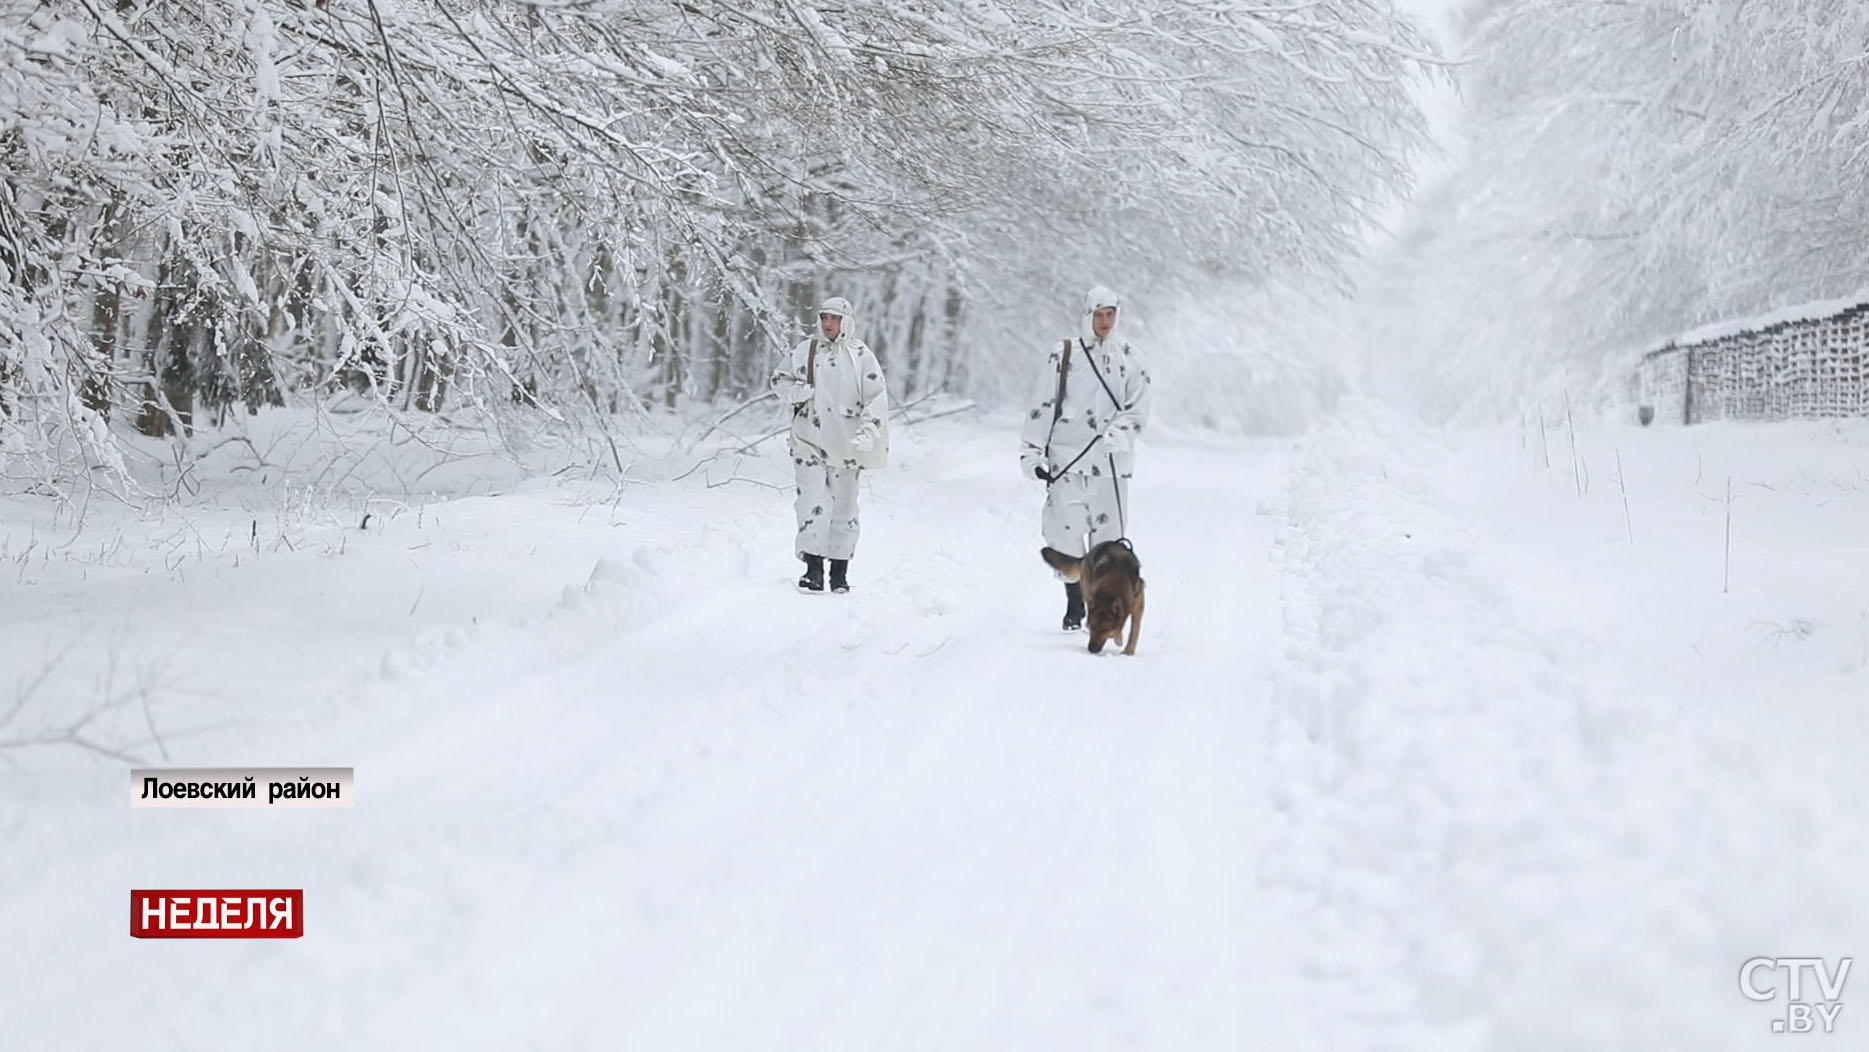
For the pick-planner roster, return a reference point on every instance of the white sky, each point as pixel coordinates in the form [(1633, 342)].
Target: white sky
[(1442, 104)]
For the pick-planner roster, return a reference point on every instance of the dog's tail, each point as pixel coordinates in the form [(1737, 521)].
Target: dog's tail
[(1068, 566)]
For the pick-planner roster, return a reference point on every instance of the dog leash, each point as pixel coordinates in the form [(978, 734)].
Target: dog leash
[(1122, 517), (1060, 473)]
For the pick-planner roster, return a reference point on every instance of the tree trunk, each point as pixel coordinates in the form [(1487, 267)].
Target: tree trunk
[(106, 312)]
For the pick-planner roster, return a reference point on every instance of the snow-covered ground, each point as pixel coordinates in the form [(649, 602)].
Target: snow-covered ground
[(1548, 786), (1419, 751)]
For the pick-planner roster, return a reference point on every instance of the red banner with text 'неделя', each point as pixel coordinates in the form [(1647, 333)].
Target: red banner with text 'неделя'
[(217, 914)]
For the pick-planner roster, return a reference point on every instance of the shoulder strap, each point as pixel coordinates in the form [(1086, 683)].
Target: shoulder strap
[(1057, 401), (811, 363), (1115, 401)]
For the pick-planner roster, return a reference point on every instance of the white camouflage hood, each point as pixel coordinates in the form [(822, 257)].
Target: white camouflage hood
[(1099, 297), (841, 307)]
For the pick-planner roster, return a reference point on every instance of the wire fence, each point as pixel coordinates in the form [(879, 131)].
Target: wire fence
[(1793, 368)]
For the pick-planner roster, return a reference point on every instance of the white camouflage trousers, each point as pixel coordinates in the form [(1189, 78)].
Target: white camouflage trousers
[(827, 510), (1082, 511)]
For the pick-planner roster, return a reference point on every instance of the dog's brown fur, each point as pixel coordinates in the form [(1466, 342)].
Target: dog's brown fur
[(1111, 577)]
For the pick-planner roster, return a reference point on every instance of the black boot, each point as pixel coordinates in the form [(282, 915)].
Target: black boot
[(813, 581), (1073, 606), (840, 568)]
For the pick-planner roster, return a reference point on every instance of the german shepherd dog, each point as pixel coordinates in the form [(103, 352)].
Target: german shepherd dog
[(1111, 577)]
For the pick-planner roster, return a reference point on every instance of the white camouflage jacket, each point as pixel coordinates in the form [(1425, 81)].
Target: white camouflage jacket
[(1106, 406), (848, 398)]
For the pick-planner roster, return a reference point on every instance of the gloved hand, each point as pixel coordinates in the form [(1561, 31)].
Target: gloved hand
[(800, 391), (1041, 474), (865, 441)]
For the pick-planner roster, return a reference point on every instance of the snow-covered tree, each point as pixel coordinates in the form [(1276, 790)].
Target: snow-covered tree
[(580, 209), (1635, 169)]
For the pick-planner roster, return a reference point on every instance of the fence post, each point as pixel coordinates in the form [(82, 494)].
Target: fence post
[(1687, 389)]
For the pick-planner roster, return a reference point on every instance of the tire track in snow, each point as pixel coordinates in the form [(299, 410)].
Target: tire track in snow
[(1004, 840), (690, 809)]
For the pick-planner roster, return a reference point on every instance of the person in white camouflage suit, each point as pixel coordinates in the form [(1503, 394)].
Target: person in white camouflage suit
[(1089, 403), (840, 427)]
